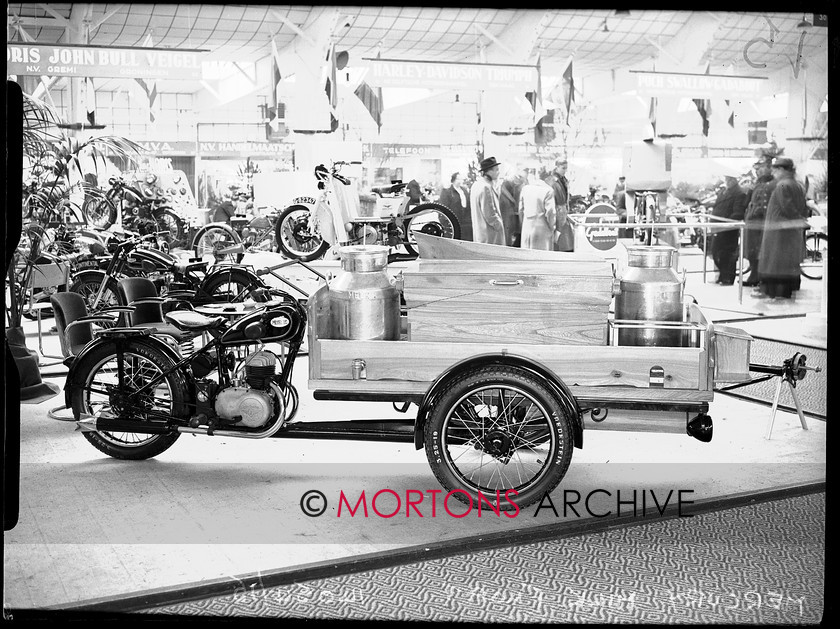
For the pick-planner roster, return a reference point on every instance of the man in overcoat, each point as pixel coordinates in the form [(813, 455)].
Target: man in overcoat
[(755, 215), (730, 204), (456, 198), (557, 180), (484, 205), (783, 244)]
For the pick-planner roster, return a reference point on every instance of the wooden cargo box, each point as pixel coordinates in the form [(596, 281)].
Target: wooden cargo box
[(530, 302)]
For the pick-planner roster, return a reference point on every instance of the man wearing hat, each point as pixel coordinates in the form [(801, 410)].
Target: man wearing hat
[(754, 216), (565, 240), (782, 246), (730, 205), (484, 203)]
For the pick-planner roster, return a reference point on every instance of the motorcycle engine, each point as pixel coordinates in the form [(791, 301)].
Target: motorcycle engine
[(258, 401)]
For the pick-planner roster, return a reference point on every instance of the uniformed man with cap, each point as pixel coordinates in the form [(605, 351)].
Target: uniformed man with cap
[(488, 226)]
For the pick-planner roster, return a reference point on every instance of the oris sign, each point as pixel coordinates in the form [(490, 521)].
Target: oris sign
[(96, 61)]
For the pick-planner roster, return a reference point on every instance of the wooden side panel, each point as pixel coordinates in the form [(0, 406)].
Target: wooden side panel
[(464, 320), (585, 366), (318, 312)]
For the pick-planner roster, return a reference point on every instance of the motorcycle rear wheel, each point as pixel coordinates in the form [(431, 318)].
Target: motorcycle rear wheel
[(231, 285), (140, 363), (294, 235), (430, 218)]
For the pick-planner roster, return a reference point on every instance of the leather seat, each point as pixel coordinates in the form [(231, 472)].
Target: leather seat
[(141, 294)]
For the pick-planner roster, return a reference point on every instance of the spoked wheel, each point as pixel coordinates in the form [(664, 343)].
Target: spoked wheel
[(231, 285), (168, 221), (99, 212), (135, 396), (213, 243), (496, 429), (816, 249), (87, 284), (295, 236), (433, 219)]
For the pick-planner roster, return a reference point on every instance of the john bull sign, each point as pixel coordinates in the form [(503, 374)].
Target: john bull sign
[(439, 75), (96, 61)]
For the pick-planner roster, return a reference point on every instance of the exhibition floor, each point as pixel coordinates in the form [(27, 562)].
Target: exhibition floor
[(211, 515)]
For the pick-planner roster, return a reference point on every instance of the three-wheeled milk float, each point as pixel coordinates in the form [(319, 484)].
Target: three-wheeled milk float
[(506, 360)]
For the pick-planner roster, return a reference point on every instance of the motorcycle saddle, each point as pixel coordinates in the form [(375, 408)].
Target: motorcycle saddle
[(186, 267), (191, 321), (389, 189)]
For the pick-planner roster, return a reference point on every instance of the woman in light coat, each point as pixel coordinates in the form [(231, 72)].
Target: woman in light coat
[(537, 214)]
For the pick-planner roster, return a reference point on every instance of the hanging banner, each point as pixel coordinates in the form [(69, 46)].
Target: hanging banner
[(696, 85), (104, 62), (441, 75)]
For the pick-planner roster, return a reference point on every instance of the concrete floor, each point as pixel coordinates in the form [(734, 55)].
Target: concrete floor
[(93, 528)]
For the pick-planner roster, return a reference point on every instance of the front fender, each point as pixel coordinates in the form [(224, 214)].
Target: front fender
[(76, 373), (560, 389)]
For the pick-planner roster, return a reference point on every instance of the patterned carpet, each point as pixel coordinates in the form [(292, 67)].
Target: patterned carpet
[(758, 564)]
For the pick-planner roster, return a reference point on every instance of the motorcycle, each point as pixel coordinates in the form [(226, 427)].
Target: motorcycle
[(134, 257), (306, 229), (143, 209), (133, 395)]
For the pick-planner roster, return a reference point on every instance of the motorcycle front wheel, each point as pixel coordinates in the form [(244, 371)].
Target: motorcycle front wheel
[(99, 212), (103, 392), (168, 221), (430, 218), (295, 236), (212, 240), (87, 284)]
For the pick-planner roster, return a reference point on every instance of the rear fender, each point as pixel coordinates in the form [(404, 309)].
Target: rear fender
[(76, 377), (559, 388)]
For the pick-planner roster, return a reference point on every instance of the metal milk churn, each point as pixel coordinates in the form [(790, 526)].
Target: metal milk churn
[(364, 301), (650, 291)]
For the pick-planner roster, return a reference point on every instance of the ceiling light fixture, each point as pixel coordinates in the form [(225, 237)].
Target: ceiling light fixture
[(804, 23)]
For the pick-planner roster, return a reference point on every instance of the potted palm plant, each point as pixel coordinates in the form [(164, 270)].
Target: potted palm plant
[(55, 168)]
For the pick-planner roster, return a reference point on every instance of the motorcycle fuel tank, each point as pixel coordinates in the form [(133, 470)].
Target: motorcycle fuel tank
[(271, 325)]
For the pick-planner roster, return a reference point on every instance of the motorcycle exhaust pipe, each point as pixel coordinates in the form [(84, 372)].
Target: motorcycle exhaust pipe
[(89, 424), (700, 428)]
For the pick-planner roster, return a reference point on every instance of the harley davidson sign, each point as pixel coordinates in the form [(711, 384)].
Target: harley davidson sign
[(96, 61)]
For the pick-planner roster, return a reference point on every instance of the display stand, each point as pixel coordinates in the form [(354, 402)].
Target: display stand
[(789, 372)]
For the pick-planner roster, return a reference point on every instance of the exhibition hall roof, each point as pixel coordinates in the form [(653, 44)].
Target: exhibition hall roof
[(598, 40)]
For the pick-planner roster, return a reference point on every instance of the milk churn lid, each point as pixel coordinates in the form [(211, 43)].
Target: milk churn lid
[(364, 258), (650, 256)]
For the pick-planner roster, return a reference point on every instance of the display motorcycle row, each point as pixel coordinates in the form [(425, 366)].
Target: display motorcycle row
[(500, 401)]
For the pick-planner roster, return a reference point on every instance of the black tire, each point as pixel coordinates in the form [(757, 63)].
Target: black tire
[(140, 362), (294, 235), (231, 285), (816, 247), (430, 218), (168, 221), (100, 212), (457, 430), (87, 284), (212, 238)]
